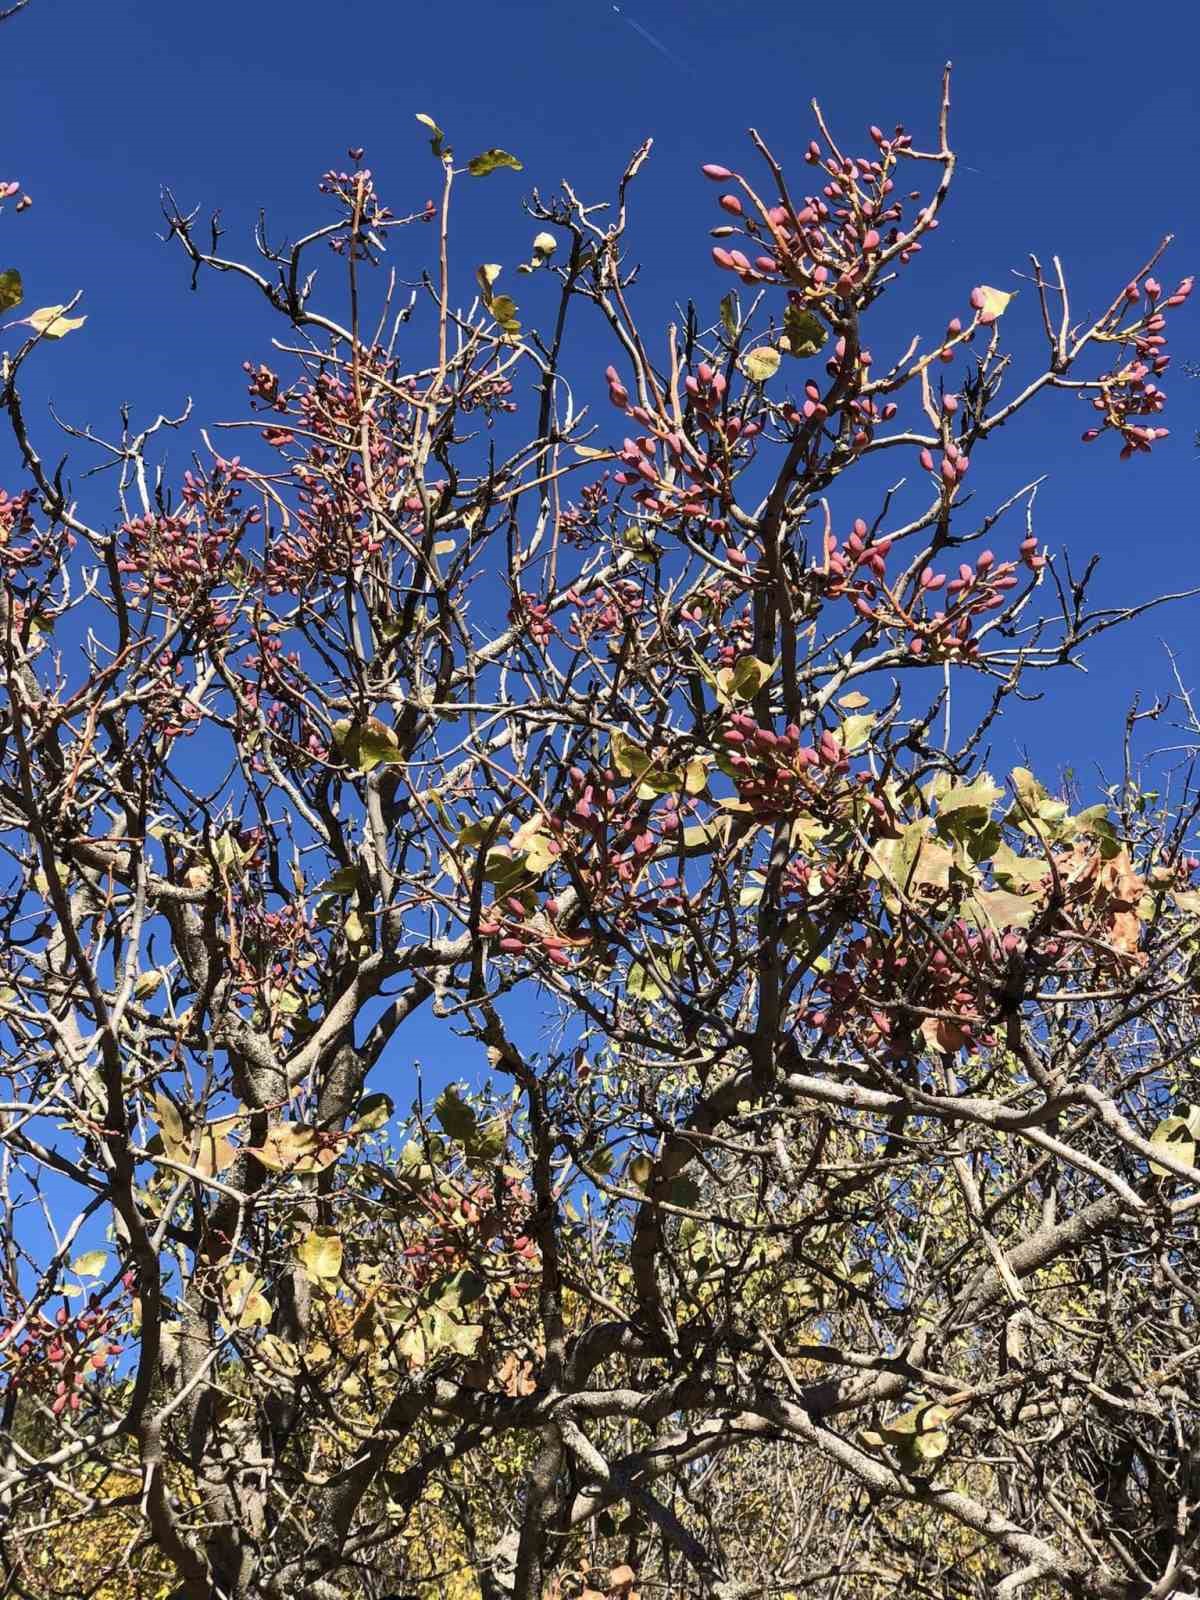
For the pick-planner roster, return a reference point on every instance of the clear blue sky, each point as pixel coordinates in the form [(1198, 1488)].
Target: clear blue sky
[(1075, 124)]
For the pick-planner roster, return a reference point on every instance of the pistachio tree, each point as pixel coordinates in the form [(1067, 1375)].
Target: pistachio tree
[(540, 1056)]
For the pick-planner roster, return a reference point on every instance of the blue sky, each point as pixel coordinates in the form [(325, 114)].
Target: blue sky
[(1075, 126)]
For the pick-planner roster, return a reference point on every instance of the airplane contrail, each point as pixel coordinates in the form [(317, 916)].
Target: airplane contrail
[(656, 44)]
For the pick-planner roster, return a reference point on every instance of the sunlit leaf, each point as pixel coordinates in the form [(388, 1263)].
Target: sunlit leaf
[(1176, 1136), (456, 1116), (491, 161), (993, 302), (293, 1147), (803, 333), (438, 141), (320, 1253), (50, 322), (761, 364)]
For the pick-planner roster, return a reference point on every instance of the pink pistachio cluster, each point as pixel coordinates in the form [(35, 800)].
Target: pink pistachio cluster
[(10, 187), (480, 1225), (168, 710), (864, 409), (57, 1357), (17, 523), (356, 193), (516, 930), (332, 529), (279, 692), (277, 948), (487, 394), (857, 571), (776, 774), (580, 524), (606, 609), (1129, 394), (701, 475), (881, 996), (531, 617), (831, 241)]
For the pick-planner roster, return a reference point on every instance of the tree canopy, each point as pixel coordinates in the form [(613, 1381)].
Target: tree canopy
[(813, 1209)]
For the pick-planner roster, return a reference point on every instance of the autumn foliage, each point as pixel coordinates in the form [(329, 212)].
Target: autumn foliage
[(804, 1191)]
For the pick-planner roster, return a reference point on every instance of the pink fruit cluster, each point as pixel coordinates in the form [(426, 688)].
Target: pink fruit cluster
[(701, 475), (831, 241), (489, 395), (17, 523), (57, 1357), (356, 192), (606, 609), (776, 774), (531, 616), (1129, 394), (881, 996), (520, 932), (857, 571), (274, 685)]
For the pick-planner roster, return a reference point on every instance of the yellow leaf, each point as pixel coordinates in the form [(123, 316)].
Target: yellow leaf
[(995, 302), (320, 1253), (761, 364), (246, 1301), (50, 322), (89, 1265)]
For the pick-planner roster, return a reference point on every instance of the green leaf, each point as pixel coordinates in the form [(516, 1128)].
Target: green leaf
[(90, 1264), (761, 364), (805, 334), (975, 799), (365, 745), (245, 1298), (374, 1112), (12, 290), (504, 871), (1001, 909), (743, 680), (1028, 790), (293, 1147), (438, 142), (728, 317), (461, 1288), (344, 881), (918, 1436), (629, 759), (504, 308), (639, 1171), (456, 1116), (1017, 872), (491, 161)]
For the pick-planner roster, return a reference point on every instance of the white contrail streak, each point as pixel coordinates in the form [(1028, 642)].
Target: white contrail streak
[(655, 43)]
